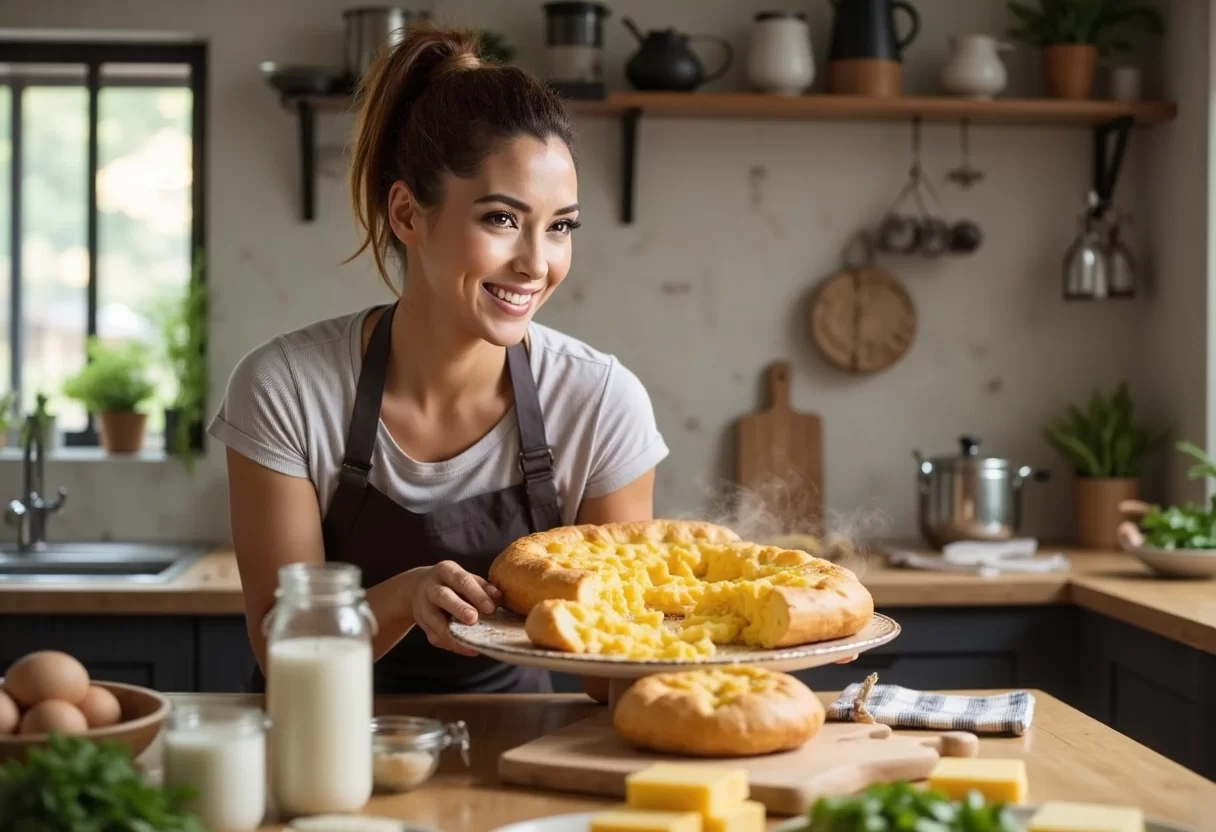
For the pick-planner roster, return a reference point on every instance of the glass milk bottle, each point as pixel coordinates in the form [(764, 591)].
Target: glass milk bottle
[(220, 753), (319, 690)]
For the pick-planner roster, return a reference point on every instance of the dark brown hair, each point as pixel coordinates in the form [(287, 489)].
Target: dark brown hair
[(431, 106)]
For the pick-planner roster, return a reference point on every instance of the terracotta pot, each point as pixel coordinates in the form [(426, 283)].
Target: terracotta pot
[(1069, 69), (1096, 509), (122, 433)]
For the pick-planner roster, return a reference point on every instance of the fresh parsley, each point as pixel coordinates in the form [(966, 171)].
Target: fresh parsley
[(901, 807), (1189, 526), (75, 785)]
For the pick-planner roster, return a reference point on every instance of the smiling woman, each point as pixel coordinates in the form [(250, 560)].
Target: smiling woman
[(418, 439)]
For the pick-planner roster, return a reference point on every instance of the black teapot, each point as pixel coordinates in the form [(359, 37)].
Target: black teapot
[(664, 61)]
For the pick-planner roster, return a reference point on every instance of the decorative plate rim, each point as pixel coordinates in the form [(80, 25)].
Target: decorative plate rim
[(844, 646)]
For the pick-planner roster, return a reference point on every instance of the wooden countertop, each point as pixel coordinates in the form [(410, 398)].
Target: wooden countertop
[(1068, 756), (1110, 583)]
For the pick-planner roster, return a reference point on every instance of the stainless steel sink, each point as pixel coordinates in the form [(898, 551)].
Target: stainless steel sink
[(126, 563)]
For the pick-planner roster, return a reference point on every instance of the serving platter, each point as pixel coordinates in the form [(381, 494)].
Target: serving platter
[(501, 636), (581, 822)]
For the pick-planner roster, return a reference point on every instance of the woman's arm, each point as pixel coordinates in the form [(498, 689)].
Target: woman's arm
[(276, 521), (633, 502)]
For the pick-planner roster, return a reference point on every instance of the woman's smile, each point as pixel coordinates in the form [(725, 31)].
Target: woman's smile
[(515, 300)]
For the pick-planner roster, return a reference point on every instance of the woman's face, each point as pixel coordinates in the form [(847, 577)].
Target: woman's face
[(499, 244)]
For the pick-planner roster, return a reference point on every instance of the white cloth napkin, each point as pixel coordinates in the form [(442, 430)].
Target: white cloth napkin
[(899, 707), (987, 558)]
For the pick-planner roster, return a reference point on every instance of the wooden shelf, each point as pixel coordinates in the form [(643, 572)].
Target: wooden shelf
[(1099, 115), (1025, 111)]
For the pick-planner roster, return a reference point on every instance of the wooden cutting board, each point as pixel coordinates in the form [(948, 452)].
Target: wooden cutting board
[(780, 457), (843, 758)]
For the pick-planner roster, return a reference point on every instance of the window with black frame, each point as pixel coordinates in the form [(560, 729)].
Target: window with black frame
[(101, 210)]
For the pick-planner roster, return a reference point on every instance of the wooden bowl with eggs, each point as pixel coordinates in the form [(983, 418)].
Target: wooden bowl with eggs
[(49, 691)]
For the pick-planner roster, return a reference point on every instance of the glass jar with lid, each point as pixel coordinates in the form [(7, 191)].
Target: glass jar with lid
[(407, 749), (319, 690), (220, 753)]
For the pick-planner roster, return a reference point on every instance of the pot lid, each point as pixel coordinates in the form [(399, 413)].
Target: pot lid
[(969, 457)]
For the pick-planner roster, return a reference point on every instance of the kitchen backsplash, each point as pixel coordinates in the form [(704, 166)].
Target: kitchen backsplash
[(736, 223)]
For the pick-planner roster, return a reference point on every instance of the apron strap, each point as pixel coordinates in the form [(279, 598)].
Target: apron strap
[(360, 438), (535, 453)]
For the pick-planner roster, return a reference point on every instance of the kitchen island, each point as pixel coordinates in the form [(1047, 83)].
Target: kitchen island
[(1068, 756), (1137, 653)]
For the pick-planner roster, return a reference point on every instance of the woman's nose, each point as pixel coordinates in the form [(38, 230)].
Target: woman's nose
[(530, 261)]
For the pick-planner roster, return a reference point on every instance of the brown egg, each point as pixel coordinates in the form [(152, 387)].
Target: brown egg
[(46, 674), (54, 715), (100, 707), (10, 715)]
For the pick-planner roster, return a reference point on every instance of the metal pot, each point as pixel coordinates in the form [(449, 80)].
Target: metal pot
[(370, 29), (970, 497)]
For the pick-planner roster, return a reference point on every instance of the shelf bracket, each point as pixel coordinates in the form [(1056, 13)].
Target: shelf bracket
[(629, 160), (307, 115), (1106, 167)]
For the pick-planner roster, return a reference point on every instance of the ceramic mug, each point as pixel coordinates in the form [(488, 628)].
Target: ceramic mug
[(779, 57)]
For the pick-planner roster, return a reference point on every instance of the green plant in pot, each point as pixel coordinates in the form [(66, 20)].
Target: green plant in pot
[(1073, 34), (183, 325), (1106, 446), (8, 416), (112, 386)]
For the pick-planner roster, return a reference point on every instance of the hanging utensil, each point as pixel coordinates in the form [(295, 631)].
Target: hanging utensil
[(1086, 267), (965, 175), (927, 233)]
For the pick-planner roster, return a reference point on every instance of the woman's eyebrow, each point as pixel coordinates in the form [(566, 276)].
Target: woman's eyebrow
[(520, 205)]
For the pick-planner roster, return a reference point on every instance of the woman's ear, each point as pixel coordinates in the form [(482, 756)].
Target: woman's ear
[(404, 216)]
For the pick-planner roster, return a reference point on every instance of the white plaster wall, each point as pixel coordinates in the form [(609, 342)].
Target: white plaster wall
[(736, 223)]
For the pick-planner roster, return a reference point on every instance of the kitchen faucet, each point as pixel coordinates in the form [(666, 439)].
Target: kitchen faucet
[(29, 513)]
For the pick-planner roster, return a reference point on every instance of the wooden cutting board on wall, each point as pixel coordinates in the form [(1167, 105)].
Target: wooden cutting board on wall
[(780, 453)]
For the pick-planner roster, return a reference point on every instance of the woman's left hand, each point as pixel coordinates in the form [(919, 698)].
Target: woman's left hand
[(851, 658)]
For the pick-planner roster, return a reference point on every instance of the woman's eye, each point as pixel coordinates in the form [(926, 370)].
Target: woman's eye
[(500, 219), (566, 226)]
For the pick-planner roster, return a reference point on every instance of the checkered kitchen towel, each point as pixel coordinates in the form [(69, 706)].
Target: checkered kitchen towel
[(1005, 713)]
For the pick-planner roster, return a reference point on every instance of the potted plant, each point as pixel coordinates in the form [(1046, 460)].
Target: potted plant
[(43, 422), (183, 327), (112, 385), (1106, 447), (8, 415), (1073, 34)]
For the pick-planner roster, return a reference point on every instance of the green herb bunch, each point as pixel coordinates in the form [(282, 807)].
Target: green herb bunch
[(1107, 24), (75, 785), (1105, 440), (901, 807), (114, 380), (1189, 526)]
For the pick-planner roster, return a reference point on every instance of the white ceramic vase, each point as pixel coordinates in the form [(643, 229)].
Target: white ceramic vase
[(779, 57), (975, 68)]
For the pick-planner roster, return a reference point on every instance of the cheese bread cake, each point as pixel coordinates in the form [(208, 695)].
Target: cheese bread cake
[(719, 712), (607, 588)]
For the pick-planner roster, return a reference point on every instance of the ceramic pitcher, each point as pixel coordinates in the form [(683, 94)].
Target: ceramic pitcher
[(975, 69)]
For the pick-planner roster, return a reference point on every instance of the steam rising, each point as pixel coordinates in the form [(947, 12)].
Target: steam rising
[(782, 510)]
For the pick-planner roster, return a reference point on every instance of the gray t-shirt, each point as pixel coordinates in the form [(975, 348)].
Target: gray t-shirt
[(289, 404)]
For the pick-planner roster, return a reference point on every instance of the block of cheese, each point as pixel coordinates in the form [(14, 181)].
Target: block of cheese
[(995, 779), (628, 819), (747, 816), (681, 787), (1064, 816)]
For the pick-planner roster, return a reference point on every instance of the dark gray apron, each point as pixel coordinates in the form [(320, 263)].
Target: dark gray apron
[(368, 529)]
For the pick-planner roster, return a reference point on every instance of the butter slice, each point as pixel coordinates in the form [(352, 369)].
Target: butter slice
[(677, 787), (996, 779), (626, 819), (1064, 816), (748, 816)]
